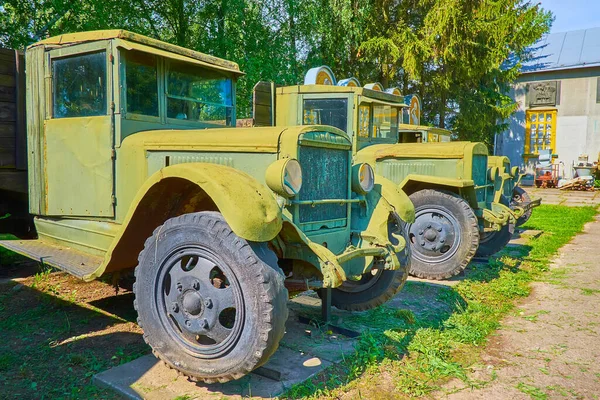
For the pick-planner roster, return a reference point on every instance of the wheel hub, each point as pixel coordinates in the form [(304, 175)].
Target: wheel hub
[(202, 302), (193, 303), (434, 235), (431, 235)]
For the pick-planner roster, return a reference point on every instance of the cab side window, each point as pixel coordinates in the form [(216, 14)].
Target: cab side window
[(141, 78), (79, 84)]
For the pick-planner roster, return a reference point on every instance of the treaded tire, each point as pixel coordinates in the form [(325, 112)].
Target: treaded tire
[(492, 242), (251, 270), (379, 288), (450, 211), (521, 196)]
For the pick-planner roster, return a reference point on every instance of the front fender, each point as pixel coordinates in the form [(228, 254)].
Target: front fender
[(396, 198), (248, 207)]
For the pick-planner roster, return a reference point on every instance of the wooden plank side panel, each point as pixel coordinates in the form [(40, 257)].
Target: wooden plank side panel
[(36, 112), (8, 111), (21, 123), (7, 93)]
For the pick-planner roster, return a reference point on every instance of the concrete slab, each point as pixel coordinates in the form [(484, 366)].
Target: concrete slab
[(304, 351), (566, 197)]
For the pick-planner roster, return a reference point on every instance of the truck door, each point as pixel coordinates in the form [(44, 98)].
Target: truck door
[(78, 135)]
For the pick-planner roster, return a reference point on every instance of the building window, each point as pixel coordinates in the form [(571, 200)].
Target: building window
[(598, 90), (540, 131)]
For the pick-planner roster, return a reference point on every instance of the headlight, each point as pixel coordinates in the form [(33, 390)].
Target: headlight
[(493, 173), (363, 178), (514, 172), (284, 177)]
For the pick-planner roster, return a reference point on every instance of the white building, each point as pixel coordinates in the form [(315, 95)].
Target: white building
[(558, 94)]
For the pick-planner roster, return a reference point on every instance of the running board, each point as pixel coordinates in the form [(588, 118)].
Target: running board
[(66, 259)]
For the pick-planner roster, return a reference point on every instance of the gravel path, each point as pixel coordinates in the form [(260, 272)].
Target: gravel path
[(549, 348)]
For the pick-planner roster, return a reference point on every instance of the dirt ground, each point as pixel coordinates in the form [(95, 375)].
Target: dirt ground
[(58, 331), (550, 347)]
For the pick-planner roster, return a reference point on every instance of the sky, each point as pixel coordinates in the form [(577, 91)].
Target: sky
[(572, 15)]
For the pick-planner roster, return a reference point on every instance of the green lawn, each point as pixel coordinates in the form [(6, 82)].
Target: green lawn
[(409, 355), (58, 332)]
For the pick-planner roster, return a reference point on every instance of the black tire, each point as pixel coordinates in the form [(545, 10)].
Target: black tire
[(521, 196), (492, 242), (380, 285), (192, 273), (444, 236)]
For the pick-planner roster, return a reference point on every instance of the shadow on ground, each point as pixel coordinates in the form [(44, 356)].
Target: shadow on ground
[(59, 332)]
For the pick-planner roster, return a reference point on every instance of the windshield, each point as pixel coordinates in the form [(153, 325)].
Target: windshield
[(332, 112), (198, 94)]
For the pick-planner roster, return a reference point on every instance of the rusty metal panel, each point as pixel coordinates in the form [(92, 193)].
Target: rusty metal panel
[(79, 168)]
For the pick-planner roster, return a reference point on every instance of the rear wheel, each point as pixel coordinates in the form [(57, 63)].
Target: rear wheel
[(444, 236), (211, 304), (492, 242), (521, 196), (378, 285)]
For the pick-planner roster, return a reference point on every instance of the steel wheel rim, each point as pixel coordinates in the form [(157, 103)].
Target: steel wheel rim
[(191, 307), (435, 235)]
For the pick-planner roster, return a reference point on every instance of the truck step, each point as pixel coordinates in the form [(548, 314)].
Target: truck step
[(64, 258)]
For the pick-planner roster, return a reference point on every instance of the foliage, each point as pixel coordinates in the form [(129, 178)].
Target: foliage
[(458, 55)]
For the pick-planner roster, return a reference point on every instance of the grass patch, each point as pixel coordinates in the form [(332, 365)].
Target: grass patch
[(419, 351)]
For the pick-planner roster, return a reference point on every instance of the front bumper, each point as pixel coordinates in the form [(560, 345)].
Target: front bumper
[(355, 260), (526, 206)]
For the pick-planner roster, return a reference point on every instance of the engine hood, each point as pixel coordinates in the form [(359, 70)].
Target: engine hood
[(246, 140), (443, 150)]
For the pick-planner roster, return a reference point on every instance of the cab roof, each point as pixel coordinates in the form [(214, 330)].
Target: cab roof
[(423, 128), (374, 94), (69, 39)]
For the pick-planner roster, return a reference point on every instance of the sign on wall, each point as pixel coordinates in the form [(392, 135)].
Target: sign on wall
[(542, 93)]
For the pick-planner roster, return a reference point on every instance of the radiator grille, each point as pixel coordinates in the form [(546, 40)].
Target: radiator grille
[(480, 175), (324, 176)]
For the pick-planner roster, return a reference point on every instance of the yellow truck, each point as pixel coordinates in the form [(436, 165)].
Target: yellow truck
[(461, 209), (134, 163)]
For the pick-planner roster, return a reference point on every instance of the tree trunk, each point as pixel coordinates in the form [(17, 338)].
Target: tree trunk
[(221, 13), (443, 99), (293, 48)]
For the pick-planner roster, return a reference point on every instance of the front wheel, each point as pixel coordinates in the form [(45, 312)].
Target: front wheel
[(492, 242), (444, 236), (211, 304), (378, 285)]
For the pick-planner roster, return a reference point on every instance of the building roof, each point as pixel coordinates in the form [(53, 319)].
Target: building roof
[(565, 50), (69, 39)]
